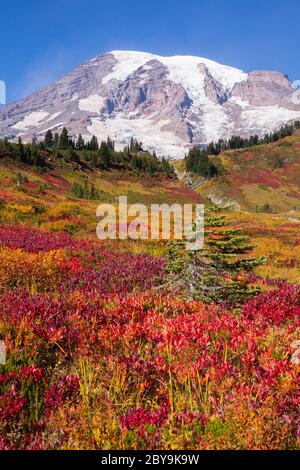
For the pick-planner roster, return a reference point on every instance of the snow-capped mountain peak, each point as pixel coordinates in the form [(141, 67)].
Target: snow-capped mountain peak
[(183, 70), (168, 103)]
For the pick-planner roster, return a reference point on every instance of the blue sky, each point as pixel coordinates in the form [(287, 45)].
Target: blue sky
[(42, 40)]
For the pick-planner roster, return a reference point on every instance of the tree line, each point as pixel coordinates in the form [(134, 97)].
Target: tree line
[(96, 154), (199, 161)]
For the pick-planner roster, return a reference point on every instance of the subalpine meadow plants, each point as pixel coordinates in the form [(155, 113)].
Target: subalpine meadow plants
[(104, 351)]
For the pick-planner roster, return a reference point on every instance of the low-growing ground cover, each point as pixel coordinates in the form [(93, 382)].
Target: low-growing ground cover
[(100, 356)]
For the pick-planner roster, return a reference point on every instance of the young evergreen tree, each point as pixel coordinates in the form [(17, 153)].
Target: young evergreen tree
[(217, 273), (93, 193), (77, 191)]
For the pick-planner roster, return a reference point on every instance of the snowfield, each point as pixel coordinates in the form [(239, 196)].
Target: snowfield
[(183, 70), (92, 103), (120, 129), (32, 120)]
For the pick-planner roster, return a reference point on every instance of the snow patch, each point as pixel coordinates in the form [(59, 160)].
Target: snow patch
[(74, 97), (268, 117), (92, 103), (53, 116), (239, 101), (127, 64), (58, 125), (31, 120)]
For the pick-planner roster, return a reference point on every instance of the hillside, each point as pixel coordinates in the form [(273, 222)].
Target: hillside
[(263, 178), (62, 194)]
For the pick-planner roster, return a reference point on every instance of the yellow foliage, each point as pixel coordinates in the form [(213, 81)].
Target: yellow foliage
[(65, 209), (26, 209), (34, 271)]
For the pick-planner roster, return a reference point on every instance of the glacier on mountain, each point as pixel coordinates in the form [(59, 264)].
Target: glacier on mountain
[(168, 103)]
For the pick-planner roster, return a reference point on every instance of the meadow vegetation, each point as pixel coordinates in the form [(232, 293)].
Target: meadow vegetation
[(104, 353)]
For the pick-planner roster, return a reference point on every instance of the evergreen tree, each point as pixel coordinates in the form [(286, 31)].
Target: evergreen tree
[(70, 155), (94, 144), (34, 152), (105, 156), (80, 143), (21, 153), (64, 139), (198, 162), (110, 144), (77, 190), (217, 273), (56, 141), (93, 194), (135, 146), (49, 141)]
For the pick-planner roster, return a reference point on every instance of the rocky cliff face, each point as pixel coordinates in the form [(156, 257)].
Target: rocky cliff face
[(168, 103), (266, 89)]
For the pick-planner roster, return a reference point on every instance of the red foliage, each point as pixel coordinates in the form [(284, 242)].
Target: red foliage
[(277, 306)]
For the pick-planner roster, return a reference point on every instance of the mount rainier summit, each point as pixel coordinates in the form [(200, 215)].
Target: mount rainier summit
[(168, 103)]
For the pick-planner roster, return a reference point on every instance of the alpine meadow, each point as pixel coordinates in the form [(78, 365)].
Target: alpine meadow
[(128, 342)]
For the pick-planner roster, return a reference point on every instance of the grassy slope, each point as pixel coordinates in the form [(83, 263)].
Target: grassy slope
[(253, 179), (259, 176), (44, 199), (198, 373)]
